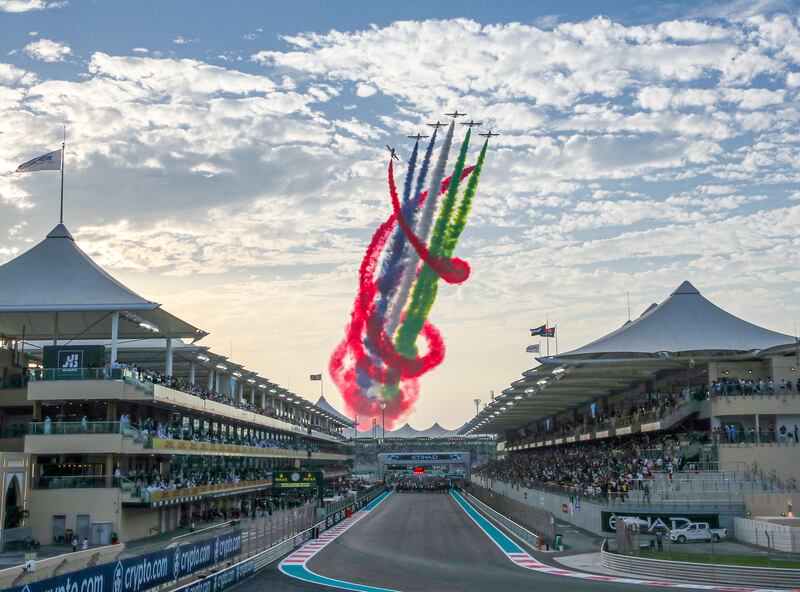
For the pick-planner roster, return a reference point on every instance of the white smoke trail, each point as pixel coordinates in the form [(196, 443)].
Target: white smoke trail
[(423, 230)]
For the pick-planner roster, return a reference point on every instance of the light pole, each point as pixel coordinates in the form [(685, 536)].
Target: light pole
[(383, 419), (477, 403)]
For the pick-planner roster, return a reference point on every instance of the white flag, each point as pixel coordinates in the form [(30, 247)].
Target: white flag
[(46, 162), (533, 349)]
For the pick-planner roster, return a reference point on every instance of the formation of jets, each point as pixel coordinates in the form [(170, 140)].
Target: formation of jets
[(437, 124)]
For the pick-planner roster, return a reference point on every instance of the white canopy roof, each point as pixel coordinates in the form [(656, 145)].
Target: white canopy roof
[(407, 432), (56, 289), (323, 404), (684, 322)]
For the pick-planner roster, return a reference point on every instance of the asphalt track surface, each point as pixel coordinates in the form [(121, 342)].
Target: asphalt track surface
[(423, 543)]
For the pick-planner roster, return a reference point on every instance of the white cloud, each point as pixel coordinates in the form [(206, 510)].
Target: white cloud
[(181, 40), (28, 5), (47, 50)]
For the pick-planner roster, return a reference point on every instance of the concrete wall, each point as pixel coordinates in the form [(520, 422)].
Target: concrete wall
[(756, 405), (770, 503), (765, 534), (589, 515), (102, 505), (56, 390), (138, 523), (783, 458)]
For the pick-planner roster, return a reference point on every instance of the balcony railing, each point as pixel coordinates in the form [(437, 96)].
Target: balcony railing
[(77, 482), (60, 428), (76, 374)]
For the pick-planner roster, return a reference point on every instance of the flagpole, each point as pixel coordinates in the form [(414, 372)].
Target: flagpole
[(555, 334), (546, 338), (63, 157)]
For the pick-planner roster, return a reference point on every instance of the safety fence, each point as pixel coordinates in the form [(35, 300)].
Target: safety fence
[(215, 581), (516, 516), (686, 571), (523, 533)]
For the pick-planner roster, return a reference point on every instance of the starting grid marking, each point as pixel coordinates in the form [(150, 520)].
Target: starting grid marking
[(524, 560)]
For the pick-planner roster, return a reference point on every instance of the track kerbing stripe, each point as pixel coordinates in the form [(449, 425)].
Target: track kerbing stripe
[(517, 555), (294, 565)]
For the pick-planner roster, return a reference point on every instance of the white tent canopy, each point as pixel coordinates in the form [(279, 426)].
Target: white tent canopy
[(56, 290), (323, 404), (684, 322), (406, 432)]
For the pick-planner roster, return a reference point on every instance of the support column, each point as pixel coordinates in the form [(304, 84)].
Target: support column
[(252, 395), (114, 336), (240, 389), (168, 363), (210, 379), (216, 381), (192, 371), (37, 411), (111, 410), (758, 431)]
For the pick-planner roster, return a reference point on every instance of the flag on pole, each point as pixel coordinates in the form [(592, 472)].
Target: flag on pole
[(316, 376), (532, 349), (46, 162), (543, 331)]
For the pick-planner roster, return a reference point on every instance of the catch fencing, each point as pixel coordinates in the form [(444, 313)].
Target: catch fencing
[(539, 522)]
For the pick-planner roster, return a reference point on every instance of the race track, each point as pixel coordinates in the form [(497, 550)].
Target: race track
[(422, 543)]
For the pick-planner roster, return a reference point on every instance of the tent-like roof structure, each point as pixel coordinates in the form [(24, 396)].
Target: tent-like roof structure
[(55, 289), (406, 432), (684, 322), (323, 404), (683, 332)]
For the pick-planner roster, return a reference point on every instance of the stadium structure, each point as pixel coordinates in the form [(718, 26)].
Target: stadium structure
[(697, 408), (374, 442), (117, 424)]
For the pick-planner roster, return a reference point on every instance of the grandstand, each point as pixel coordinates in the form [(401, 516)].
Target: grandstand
[(686, 411), (117, 424)]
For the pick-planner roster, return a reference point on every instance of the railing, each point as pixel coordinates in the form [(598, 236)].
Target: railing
[(14, 432), (76, 374), (333, 507), (56, 428), (76, 482)]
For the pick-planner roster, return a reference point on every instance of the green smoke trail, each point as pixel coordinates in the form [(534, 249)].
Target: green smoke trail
[(460, 221), (424, 293)]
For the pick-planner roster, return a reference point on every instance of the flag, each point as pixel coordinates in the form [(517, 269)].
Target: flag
[(533, 349), (543, 331), (316, 376), (46, 162)]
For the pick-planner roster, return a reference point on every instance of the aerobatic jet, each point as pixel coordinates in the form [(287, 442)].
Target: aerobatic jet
[(417, 137), (471, 123), (488, 135), (392, 153), (455, 114), (437, 125)]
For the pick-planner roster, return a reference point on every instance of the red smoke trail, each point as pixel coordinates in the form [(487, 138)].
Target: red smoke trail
[(350, 355)]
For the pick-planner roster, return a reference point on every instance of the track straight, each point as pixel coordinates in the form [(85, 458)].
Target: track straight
[(520, 557), (295, 564)]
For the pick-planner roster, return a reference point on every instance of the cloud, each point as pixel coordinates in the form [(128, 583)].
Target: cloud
[(181, 40), (47, 50), (630, 157), (28, 5)]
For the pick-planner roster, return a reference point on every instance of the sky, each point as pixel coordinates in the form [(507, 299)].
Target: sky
[(227, 160)]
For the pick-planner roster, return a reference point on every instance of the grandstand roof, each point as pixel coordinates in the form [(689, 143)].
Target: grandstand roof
[(407, 432), (684, 322), (56, 289), (683, 331), (323, 404)]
